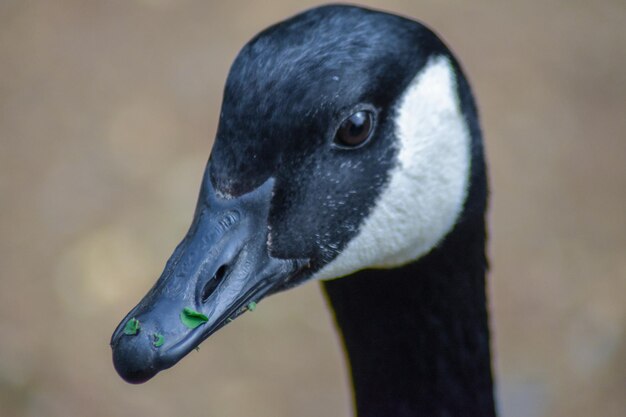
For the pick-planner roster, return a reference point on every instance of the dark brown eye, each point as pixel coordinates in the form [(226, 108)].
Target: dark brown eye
[(355, 130)]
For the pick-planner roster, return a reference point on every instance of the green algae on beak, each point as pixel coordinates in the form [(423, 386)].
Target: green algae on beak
[(251, 306), (192, 318), (132, 327), (158, 340)]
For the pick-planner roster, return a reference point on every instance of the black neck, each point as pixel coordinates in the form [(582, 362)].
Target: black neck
[(418, 336)]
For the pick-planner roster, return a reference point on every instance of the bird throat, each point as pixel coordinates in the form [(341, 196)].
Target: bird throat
[(417, 336)]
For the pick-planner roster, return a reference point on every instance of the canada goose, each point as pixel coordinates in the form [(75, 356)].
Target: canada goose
[(348, 147)]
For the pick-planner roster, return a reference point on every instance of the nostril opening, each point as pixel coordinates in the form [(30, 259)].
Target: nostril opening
[(212, 284)]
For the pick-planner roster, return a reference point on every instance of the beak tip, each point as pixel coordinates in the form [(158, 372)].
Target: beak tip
[(134, 359)]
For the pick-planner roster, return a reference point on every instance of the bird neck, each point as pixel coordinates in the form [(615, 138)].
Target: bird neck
[(417, 337)]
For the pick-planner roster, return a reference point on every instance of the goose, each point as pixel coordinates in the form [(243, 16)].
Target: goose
[(348, 151)]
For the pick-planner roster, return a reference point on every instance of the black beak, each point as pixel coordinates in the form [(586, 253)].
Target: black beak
[(220, 269)]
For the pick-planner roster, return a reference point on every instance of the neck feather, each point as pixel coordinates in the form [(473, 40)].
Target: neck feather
[(418, 336)]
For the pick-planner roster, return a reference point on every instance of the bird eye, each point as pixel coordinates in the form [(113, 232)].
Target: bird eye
[(355, 130)]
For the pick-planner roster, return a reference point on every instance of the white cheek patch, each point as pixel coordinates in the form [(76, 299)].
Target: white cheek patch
[(428, 186)]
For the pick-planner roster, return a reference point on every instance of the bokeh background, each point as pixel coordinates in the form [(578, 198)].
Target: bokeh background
[(107, 113)]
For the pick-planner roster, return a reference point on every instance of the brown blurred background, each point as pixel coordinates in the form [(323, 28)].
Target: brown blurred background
[(107, 113)]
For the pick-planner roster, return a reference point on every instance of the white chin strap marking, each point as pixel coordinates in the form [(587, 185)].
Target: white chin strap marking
[(427, 189)]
